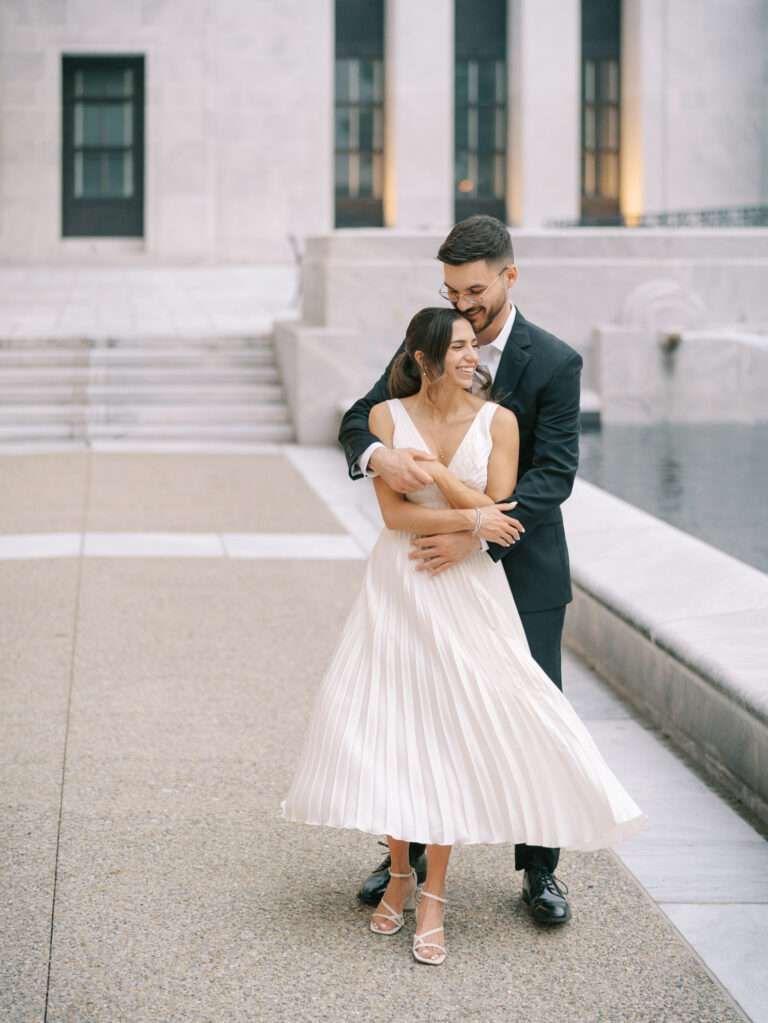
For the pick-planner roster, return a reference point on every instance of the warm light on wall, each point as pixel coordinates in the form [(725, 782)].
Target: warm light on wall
[(390, 206), (631, 191), (389, 192)]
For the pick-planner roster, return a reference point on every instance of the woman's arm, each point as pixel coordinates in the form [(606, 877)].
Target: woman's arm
[(400, 514), (456, 493), (505, 454), (397, 512)]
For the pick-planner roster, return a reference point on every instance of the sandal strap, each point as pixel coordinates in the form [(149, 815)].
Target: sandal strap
[(418, 937), (396, 917), (429, 895), (409, 874)]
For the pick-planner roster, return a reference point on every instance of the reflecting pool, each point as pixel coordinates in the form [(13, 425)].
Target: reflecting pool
[(709, 479)]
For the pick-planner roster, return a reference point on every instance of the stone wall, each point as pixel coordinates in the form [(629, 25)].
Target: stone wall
[(694, 95), (239, 112)]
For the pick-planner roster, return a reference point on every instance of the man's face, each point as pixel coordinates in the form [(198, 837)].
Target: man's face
[(478, 290)]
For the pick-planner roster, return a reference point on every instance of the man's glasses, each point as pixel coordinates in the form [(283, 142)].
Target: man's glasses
[(471, 294)]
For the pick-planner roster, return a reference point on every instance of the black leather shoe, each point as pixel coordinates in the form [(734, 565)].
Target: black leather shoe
[(374, 885), (543, 894)]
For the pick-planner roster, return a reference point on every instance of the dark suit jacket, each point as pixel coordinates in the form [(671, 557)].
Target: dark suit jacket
[(538, 378)]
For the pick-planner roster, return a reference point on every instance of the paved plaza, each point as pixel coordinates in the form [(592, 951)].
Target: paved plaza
[(166, 618)]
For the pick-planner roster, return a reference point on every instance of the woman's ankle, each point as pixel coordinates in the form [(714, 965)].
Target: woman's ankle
[(395, 870), (434, 888)]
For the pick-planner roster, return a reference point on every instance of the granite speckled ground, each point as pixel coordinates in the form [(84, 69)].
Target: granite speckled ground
[(154, 711)]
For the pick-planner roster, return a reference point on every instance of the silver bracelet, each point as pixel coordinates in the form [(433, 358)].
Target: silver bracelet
[(476, 530)]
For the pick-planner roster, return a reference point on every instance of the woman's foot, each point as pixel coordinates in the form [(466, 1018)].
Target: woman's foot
[(398, 896), (429, 939)]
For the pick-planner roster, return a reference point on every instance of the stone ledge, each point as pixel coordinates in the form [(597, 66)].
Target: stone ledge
[(680, 628)]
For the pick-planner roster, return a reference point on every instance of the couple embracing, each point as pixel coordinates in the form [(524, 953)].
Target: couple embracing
[(440, 720)]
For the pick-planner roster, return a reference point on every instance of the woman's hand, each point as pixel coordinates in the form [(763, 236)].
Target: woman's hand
[(435, 468), (497, 527)]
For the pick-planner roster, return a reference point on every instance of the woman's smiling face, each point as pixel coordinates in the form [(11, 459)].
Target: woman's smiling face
[(462, 357)]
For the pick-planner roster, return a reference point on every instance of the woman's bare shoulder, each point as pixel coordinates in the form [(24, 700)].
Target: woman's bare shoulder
[(381, 410), (504, 423), (380, 419)]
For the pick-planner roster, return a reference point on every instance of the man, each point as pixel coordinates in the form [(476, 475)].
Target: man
[(537, 376)]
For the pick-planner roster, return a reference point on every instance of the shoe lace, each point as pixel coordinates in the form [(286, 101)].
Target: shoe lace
[(550, 881)]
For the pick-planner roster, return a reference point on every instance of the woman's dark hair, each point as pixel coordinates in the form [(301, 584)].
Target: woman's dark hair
[(478, 237), (430, 332)]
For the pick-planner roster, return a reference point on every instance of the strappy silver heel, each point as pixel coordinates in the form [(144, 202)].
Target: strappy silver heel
[(398, 918), (418, 939)]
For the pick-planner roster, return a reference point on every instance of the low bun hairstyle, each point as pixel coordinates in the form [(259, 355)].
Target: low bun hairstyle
[(429, 332), (404, 376)]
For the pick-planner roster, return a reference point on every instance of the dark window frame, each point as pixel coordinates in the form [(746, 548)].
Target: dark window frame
[(600, 111), (480, 42), (102, 216), (359, 42)]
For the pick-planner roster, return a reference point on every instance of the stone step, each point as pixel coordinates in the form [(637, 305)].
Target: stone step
[(15, 358), (84, 391), (242, 412), (278, 433), (138, 375), (256, 339)]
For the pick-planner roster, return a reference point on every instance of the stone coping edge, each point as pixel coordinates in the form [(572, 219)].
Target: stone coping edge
[(679, 628)]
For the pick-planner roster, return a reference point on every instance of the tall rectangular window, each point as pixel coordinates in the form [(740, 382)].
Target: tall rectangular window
[(480, 106), (359, 113), (103, 146), (600, 95)]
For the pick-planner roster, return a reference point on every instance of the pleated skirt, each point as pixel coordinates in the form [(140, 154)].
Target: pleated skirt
[(434, 724)]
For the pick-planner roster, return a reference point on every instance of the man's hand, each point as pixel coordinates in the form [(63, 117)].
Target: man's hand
[(399, 468), (438, 552)]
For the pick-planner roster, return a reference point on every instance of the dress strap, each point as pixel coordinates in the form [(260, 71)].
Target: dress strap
[(405, 429), (486, 415)]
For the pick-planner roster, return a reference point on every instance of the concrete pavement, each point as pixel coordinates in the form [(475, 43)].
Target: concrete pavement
[(153, 711)]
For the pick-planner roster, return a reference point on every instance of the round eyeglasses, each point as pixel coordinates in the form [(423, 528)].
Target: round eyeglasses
[(471, 294)]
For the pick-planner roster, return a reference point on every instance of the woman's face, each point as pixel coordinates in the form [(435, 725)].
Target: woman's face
[(462, 358)]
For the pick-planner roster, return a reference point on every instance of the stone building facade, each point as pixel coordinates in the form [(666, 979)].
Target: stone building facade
[(180, 131)]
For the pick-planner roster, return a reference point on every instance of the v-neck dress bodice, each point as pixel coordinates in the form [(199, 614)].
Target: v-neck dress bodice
[(433, 723), (469, 461)]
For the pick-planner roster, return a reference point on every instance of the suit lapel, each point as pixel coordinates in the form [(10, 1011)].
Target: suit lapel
[(514, 358)]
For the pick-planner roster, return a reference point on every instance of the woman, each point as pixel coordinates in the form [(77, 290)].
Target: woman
[(433, 723)]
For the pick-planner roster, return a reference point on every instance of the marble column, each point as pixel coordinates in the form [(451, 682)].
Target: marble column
[(544, 57), (643, 107), (418, 190)]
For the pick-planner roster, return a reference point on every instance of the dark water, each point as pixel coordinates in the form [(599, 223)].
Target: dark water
[(710, 480)]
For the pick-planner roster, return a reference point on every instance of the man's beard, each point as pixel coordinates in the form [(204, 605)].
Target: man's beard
[(479, 325)]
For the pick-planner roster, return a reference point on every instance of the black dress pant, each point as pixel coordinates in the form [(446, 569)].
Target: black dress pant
[(544, 632)]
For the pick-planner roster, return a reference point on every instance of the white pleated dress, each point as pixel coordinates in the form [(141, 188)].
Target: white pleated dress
[(433, 723)]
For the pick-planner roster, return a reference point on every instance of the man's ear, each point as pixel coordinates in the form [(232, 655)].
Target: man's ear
[(511, 275)]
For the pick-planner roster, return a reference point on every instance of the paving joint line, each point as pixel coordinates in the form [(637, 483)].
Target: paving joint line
[(658, 908), (75, 626)]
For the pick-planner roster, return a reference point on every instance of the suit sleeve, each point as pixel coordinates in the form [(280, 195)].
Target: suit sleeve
[(549, 480), (354, 435)]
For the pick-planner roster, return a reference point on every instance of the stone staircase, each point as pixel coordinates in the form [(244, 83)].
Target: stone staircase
[(196, 390)]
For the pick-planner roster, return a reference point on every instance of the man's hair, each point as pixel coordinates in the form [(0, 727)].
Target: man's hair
[(477, 237)]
